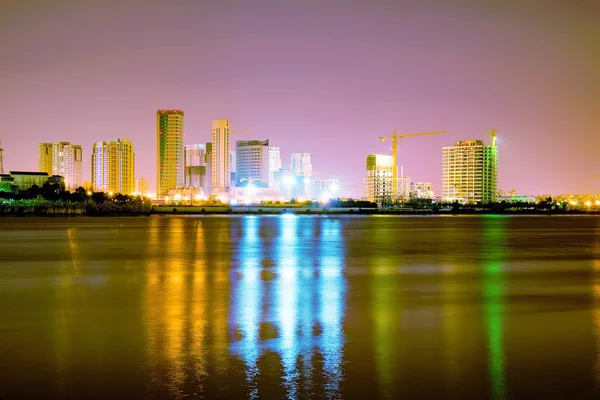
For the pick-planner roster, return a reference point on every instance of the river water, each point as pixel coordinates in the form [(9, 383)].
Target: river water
[(354, 307)]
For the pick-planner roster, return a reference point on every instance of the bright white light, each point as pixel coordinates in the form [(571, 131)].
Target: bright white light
[(233, 202), (110, 193), (89, 193), (177, 197), (198, 197), (299, 199), (289, 180), (588, 203), (187, 198), (166, 198), (334, 187), (307, 180), (598, 202), (573, 203), (325, 198)]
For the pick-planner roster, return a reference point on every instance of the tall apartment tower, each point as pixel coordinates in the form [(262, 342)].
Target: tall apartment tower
[(45, 158), (208, 161), (252, 162), (301, 165), (195, 165), (66, 162), (469, 172), (142, 186), (220, 156), (113, 166), (380, 175), (301, 169), (274, 167), (169, 151)]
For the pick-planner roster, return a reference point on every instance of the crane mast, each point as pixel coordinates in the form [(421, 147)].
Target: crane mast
[(395, 138)]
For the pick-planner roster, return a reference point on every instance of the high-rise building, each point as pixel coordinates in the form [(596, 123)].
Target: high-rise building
[(169, 151), (45, 158), (275, 171), (113, 166), (66, 162), (195, 165), (142, 187), (301, 169), (469, 172), (220, 156), (252, 162), (380, 175), (208, 160)]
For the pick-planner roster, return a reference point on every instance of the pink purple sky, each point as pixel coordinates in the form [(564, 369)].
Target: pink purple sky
[(325, 77)]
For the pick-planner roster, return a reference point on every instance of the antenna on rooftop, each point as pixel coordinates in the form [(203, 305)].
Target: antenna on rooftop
[(1, 158)]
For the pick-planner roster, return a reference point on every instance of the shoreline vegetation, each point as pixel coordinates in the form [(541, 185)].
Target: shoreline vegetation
[(50, 200)]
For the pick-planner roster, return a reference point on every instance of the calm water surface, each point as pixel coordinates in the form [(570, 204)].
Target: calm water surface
[(300, 307)]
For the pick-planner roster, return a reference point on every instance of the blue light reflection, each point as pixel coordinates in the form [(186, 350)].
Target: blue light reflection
[(293, 288)]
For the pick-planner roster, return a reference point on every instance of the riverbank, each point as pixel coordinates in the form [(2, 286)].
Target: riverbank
[(136, 209)]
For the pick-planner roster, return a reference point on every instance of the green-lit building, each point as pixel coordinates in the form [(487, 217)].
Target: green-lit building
[(23, 180)]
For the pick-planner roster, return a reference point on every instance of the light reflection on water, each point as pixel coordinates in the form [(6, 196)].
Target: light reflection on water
[(297, 310), (300, 307)]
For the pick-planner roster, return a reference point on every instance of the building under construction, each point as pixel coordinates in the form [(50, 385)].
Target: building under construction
[(379, 184), (470, 172)]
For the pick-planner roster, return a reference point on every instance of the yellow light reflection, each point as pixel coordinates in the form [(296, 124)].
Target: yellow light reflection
[(165, 305)]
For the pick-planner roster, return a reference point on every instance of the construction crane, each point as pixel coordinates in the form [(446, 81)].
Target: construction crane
[(492, 133), (395, 138)]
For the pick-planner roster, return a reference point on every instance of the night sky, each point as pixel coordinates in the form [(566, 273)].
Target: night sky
[(325, 77)]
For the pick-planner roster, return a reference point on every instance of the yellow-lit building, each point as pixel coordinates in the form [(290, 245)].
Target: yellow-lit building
[(45, 158), (142, 186), (169, 151), (64, 159), (378, 185), (220, 156), (470, 172), (113, 166)]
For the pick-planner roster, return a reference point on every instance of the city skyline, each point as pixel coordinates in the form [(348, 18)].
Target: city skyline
[(333, 91)]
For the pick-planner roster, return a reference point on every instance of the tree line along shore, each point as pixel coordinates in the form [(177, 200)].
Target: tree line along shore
[(50, 200)]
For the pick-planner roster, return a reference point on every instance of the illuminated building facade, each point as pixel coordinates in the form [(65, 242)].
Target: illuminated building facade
[(422, 190), (208, 161), (66, 162), (142, 186), (470, 172), (301, 169), (169, 150), (113, 166), (195, 165), (220, 156), (378, 185), (252, 162), (45, 158), (274, 168)]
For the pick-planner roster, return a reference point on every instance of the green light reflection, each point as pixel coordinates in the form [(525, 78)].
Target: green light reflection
[(493, 282)]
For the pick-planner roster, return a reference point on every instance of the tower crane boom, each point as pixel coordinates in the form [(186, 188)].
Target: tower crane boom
[(395, 138)]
